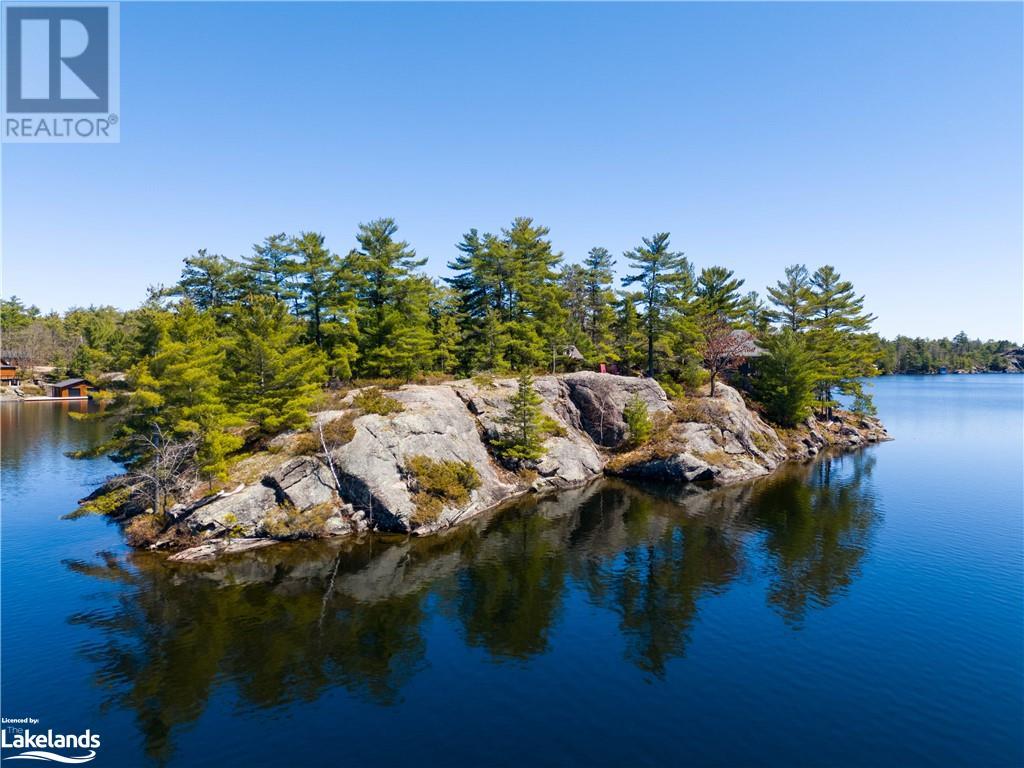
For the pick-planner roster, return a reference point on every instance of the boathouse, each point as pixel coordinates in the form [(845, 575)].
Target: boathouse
[(9, 373), (71, 388)]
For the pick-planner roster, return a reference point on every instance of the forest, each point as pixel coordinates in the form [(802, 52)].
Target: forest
[(241, 348)]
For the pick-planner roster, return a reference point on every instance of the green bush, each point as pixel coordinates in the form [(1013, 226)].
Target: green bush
[(373, 400), (437, 483), (638, 420)]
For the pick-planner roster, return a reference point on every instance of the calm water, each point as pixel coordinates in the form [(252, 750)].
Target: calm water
[(861, 611)]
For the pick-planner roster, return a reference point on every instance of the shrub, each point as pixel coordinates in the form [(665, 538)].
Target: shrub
[(105, 504), (373, 400), (143, 530), (437, 483), (286, 522), (638, 420), (550, 427), (483, 380), (761, 441)]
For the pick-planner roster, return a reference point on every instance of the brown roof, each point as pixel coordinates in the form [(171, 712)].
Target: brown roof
[(70, 383)]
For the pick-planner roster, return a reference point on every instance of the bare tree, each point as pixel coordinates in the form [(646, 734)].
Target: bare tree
[(167, 467), (720, 346)]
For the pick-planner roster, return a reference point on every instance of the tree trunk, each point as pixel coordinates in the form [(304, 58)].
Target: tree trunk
[(713, 374)]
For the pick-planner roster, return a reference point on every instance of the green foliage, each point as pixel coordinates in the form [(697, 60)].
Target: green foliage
[(271, 378), (638, 420), (438, 483), (906, 355), (666, 283), (786, 377), (863, 404), (373, 400), (510, 300), (792, 299), (523, 425), (104, 504)]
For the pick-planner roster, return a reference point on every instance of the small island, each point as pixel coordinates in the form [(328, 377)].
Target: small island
[(295, 393)]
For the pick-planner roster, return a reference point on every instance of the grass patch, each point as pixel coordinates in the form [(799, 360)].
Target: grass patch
[(373, 400), (436, 483), (286, 522), (716, 457), (761, 441), (337, 432)]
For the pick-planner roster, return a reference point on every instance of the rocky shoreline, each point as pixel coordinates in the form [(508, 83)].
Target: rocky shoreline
[(363, 481)]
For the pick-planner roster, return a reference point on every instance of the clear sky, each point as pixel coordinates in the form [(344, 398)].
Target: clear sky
[(885, 139)]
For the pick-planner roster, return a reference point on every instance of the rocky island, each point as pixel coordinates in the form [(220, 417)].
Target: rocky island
[(426, 462)]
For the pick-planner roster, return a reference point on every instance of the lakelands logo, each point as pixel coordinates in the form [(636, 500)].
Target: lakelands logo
[(61, 72), (71, 748)]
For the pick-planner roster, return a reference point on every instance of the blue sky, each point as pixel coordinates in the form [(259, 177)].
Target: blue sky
[(885, 139)]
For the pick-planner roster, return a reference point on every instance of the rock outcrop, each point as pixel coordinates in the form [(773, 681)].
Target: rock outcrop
[(365, 482)]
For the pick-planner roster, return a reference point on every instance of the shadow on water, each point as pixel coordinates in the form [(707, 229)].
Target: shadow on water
[(287, 623)]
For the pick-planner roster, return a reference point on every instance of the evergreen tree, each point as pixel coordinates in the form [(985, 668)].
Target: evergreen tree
[(179, 389), (209, 281), (630, 340), (666, 282), (718, 294), (393, 302), (510, 301), (271, 378), (269, 268), (600, 312), (786, 377), (314, 271), (792, 299), (444, 327), (522, 426), (838, 335)]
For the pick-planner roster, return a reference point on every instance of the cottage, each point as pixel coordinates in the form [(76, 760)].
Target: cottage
[(71, 388), (9, 373)]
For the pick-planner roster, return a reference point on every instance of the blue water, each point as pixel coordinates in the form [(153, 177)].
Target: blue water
[(865, 610)]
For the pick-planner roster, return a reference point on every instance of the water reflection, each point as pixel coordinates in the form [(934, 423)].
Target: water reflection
[(287, 623)]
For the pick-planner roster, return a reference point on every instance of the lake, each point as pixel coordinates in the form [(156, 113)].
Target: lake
[(863, 610)]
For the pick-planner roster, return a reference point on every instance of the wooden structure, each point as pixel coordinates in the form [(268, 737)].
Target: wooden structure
[(9, 373), (77, 389)]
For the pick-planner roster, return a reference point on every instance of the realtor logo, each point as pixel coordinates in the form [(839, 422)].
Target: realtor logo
[(61, 72)]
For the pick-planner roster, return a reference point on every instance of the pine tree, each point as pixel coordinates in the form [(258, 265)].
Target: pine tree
[(792, 297), (666, 282), (271, 378), (630, 340), (444, 327), (786, 377), (179, 389), (600, 312), (510, 301), (393, 302), (718, 294), (522, 426), (314, 272), (209, 281), (269, 268), (838, 335)]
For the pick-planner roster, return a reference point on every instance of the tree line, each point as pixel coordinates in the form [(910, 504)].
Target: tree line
[(240, 346)]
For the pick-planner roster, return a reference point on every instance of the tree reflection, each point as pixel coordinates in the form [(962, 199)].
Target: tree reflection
[(818, 522), (286, 623), (259, 623), (655, 580)]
